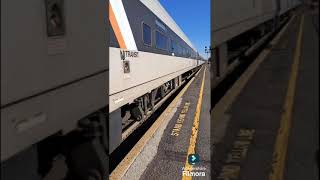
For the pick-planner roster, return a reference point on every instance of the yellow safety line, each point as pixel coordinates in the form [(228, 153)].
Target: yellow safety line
[(125, 164), (281, 145), (195, 128)]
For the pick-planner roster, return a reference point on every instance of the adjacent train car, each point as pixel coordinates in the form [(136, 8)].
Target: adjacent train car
[(287, 5), (54, 74), (54, 80), (150, 57), (238, 26)]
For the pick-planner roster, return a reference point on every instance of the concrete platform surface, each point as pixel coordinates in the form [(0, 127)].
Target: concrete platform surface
[(246, 149)]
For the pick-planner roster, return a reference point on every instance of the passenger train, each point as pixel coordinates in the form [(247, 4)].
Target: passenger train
[(57, 75), (150, 57)]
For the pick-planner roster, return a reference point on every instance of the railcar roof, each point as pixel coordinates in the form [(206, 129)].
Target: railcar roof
[(158, 9)]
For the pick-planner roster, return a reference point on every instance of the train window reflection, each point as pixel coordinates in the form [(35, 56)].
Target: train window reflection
[(146, 34), (174, 47), (161, 41)]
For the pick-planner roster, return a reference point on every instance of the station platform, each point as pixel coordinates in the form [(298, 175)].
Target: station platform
[(182, 129), (267, 125)]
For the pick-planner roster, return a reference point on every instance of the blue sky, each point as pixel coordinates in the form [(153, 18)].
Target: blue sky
[(193, 17)]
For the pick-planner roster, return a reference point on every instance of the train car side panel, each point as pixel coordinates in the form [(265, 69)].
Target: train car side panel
[(230, 19), (50, 79), (147, 72)]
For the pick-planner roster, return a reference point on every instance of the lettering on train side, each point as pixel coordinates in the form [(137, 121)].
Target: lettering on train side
[(125, 53)]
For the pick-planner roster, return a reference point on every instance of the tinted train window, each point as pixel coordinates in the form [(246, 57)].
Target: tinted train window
[(174, 47), (179, 50), (146, 35), (184, 51), (161, 41), (161, 26), (171, 45)]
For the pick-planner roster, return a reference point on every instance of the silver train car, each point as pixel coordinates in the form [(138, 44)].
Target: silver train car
[(56, 80), (150, 57), (238, 25), (54, 74)]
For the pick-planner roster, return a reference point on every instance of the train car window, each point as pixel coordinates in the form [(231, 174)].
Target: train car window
[(161, 41), (184, 51), (177, 50), (161, 26), (180, 50), (146, 34), (171, 45), (174, 47)]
